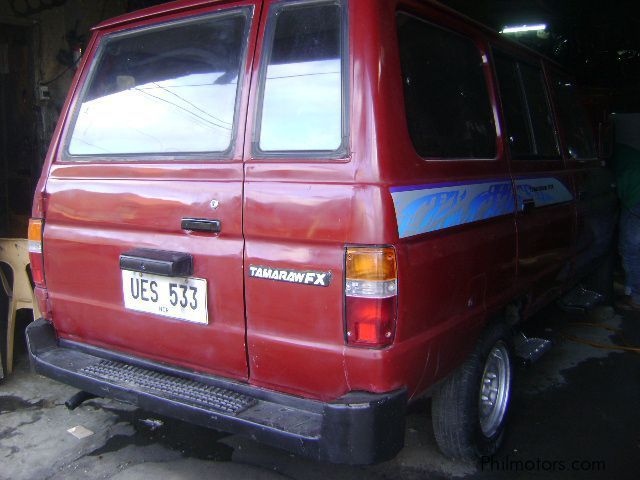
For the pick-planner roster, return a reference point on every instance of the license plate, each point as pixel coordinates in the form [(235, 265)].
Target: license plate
[(175, 297)]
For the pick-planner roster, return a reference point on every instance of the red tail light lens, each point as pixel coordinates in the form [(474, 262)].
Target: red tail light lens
[(371, 296), (371, 321)]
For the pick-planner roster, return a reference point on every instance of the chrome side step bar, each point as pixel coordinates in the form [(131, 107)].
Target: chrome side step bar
[(580, 299), (530, 349)]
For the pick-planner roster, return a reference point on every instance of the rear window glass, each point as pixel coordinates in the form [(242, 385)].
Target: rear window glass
[(578, 130), (302, 83), (446, 98), (170, 89)]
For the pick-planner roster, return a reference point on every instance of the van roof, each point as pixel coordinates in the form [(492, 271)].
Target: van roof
[(157, 10), (181, 5)]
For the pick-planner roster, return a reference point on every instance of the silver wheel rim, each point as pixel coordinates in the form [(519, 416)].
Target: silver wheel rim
[(494, 389)]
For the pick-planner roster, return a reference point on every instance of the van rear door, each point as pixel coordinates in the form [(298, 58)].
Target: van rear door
[(143, 244), (299, 198)]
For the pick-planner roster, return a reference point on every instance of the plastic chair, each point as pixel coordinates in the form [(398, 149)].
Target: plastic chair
[(15, 253)]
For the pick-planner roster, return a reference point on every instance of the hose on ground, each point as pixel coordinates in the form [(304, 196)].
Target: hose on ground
[(626, 347)]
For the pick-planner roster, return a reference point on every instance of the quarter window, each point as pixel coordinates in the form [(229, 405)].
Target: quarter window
[(446, 98), (165, 90), (302, 97), (541, 117), (527, 113), (514, 106), (578, 130)]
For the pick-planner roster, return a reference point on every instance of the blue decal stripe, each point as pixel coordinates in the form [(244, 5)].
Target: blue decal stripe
[(543, 190), (428, 208)]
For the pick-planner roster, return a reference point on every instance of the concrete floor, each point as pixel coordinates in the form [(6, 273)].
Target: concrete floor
[(577, 404)]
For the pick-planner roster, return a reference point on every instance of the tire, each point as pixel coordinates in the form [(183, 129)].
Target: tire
[(466, 427)]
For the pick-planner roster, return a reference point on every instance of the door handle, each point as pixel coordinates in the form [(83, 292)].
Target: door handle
[(528, 205), (159, 262), (201, 225)]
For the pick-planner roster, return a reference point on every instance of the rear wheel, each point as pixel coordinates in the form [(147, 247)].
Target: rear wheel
[(470, 409)]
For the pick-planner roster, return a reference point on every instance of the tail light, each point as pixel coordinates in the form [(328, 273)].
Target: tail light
[(35, 251), (37, 264), (371, 291)]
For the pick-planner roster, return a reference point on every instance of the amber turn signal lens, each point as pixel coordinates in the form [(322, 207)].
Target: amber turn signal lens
[(371, 263), (35, 230)]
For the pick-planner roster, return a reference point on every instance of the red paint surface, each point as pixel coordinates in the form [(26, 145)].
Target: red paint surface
[(300, 214)]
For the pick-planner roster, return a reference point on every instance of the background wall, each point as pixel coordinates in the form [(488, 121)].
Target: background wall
[(597, 40), (38, 40), (55, 31)]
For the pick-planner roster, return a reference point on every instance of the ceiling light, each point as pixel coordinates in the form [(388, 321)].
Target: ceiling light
[(524, 28)]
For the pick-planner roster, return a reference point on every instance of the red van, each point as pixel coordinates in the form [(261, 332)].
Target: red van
[(289, 219)]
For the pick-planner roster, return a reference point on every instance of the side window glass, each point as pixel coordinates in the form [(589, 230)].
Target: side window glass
[(577, 128), (302, 94), (541, 117), (164, 90), (514, 107), (446, 98), (527, 112)]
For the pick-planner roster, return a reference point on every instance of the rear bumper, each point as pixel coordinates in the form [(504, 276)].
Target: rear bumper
[(359, 428)]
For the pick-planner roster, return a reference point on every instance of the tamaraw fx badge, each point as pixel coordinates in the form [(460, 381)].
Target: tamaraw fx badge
[(304, 277)]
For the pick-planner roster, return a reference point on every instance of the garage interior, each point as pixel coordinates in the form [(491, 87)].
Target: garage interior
[(578, 403)]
